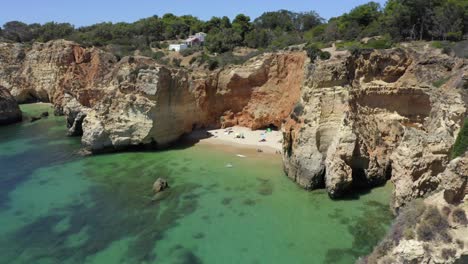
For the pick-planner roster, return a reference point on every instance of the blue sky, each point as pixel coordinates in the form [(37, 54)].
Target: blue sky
[(86, 12)]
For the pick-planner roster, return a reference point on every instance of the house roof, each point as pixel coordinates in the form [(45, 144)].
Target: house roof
[(192, 39)]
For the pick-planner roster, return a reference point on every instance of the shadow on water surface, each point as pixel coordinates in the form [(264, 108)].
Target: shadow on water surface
[(367, 230), (114, 214), (17, 167)]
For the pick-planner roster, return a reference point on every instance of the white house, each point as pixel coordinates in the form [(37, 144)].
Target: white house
[(197, 39), (201, 36), (178, 47)]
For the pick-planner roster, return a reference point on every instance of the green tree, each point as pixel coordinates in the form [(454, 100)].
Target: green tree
[(52, 30), (258, 38), (222, 40), (461, 144), (448, 21), (307, 21), (17, 31), (241, 24), (397, 20), (282, 20), (217, 23)]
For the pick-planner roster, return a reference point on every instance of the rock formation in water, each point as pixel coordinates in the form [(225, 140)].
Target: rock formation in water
[(376, 115), (160, 185), (135, 101), (9, 110)]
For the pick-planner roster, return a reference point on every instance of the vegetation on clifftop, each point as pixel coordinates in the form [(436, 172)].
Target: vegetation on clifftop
[(461, 144), (398, 20)]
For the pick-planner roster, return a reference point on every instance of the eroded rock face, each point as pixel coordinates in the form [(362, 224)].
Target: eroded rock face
[(374, 116), (9, 110), (260, 93), (135, 101), (46, 71), (433, 230), (160, 185)]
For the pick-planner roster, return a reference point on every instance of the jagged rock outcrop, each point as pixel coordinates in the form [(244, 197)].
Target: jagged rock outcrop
[(434, 230), (376, 115), (260, 93), (46, 71), (9, 109), (136, 102)]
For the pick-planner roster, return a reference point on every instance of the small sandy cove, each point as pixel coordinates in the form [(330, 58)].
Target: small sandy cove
[(266, 141)]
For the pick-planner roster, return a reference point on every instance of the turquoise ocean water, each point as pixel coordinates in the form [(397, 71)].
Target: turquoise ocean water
[(59, 207)]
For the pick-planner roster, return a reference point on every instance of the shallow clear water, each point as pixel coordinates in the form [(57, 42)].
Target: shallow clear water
[(58, 207)]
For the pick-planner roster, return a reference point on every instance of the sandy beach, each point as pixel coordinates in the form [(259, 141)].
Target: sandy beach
[(251, 138)]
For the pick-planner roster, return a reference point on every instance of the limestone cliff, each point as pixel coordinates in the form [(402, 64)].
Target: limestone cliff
[(355, 120), (46, 71), (9, 110), (135, 101), (368, 117), (434, 230)]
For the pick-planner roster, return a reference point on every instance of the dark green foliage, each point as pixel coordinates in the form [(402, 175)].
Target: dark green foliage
[(380, 43), (415, 221), (241, 25), (459, 216), (176, 62), (448, 253), (223, 40), (189, 51), (298, 109), (285, 20), (213, 64), (384, 42), (461, 144), (440, 82), (158, 55), (313, 51), (398, 20), (433, 225), (324, 55), (192, 60), (401, 228), (258, 38)]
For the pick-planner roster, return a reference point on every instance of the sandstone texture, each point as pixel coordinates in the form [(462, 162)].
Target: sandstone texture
[(135, 101), (9, 110), (434, 230), (353, 121), (376, 115)]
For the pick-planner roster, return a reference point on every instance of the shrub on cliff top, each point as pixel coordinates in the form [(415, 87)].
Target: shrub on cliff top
[(459, 216), (461, 144), (433, 225), (314, 51)]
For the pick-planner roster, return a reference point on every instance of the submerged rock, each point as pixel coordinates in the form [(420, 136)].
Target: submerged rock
[(160, 185), (432, 230), (35, 118), (9, 109)]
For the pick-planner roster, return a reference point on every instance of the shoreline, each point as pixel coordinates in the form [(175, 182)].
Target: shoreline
[(252, 139)]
